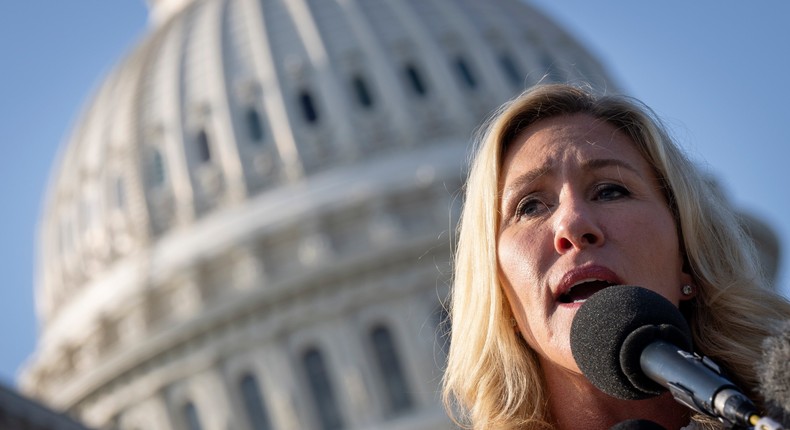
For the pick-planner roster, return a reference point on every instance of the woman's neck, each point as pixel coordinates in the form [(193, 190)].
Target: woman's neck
[(574, 403)]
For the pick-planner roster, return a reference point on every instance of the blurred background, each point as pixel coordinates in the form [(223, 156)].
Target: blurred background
[(713, 72)]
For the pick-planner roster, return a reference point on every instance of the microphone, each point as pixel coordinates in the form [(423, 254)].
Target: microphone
[(632, 343)]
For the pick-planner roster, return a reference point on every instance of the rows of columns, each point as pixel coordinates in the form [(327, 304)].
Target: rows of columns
[(212, 384)]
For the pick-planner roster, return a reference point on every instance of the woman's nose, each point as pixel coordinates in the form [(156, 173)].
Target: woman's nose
[(575, 227)]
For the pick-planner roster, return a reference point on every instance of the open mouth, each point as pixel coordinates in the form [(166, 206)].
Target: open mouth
[(582, 291)]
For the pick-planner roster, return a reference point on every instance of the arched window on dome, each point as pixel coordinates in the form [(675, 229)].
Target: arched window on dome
[(158, 173), (414, 79), (257, 414), (512, 71), (465, 72), (321, 390), (190, 416), (361, 91), (254, 124), (307, 104), (390, 370), (203, 146)]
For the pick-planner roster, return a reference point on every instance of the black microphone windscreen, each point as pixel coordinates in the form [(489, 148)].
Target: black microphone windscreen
[(637, 425), (774, 374), (611, 329)]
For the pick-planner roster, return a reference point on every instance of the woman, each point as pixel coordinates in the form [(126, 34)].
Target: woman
[(570, 193)]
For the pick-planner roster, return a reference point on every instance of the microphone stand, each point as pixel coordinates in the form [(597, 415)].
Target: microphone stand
[(705, 390)]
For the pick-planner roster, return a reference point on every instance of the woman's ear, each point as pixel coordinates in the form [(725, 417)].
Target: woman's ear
[(687, 292), (687, 288)]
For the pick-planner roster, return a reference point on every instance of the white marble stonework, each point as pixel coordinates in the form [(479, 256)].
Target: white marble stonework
[(252, 219)]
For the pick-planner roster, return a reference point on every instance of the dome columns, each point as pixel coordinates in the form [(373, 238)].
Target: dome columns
[(225, 137), (481, 56), (337, 109), (161, 10), (279, 385), (431, 54), (212, 398), (356, 397), (149, 414), (171, 135), (386, 82), (263, 63)]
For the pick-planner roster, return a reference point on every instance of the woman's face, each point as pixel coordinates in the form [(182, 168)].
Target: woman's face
[(581, 210)]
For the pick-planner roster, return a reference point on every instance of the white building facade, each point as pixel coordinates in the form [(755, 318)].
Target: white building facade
[(251, 225)]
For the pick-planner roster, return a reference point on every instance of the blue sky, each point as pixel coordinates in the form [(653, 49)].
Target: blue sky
[(715, 71)]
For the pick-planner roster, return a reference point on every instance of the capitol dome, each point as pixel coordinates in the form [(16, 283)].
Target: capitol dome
[(250, 225)]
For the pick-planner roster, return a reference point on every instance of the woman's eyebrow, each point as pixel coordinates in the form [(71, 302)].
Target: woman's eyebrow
[(600, 163), (531, 176), (525, 179)]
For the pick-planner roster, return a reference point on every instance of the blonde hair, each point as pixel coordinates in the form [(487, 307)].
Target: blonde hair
[(493, 379)]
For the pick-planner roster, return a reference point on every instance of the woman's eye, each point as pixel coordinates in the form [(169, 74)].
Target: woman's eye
[(530, 207), (610, 192)]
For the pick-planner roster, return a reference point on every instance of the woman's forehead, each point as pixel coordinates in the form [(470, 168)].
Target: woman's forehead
[(569, 138)]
